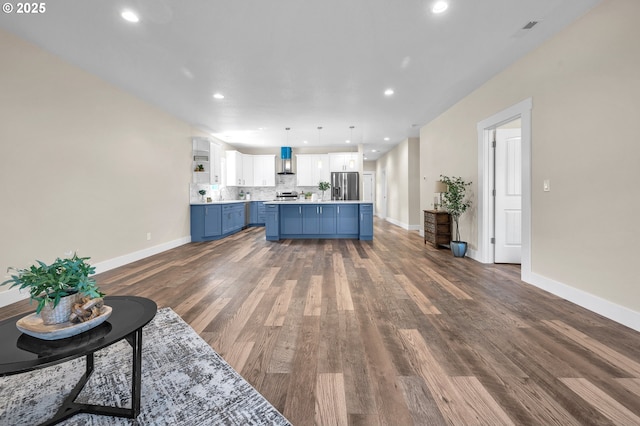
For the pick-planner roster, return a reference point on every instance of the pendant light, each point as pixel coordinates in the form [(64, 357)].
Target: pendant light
[(285, 154)]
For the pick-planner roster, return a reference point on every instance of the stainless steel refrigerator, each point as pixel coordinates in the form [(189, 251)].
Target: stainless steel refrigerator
[(345, 186)]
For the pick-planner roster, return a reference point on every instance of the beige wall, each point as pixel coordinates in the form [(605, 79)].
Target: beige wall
[(402, 170), (369, 166), (585, 88), (83, 165)]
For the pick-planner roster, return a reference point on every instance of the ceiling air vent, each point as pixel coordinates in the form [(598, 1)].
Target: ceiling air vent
[(525, 29)]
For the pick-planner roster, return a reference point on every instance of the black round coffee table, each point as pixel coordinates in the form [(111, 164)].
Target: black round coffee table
[(20, 353)]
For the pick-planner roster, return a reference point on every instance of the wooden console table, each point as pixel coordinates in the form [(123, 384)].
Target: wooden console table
[(437, 227)]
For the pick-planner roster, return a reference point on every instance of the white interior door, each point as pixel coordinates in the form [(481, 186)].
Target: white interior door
[(508, 200), (383, 191), (368, 187)]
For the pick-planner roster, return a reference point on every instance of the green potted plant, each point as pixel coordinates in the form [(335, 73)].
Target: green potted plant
[(453, 201), (323, 186), (56, 287)]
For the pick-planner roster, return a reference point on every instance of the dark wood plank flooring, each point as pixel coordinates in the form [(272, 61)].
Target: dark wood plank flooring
[(391, 332)]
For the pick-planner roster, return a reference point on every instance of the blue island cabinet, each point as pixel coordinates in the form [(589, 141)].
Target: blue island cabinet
[(290, 219), (301, 220), (318, 220), (366, 222), (348, 223), (272, 222)]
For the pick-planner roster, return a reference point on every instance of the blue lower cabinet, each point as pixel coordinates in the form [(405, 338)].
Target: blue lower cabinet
[(318, 220), (232, 217), (311, 220), (366, 222), (212, 222), (290, 220), (272, 222), (205, 222), (327, 220), (257, 213), (348, 219)]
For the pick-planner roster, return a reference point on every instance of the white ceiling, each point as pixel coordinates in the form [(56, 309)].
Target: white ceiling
[(297, 63)]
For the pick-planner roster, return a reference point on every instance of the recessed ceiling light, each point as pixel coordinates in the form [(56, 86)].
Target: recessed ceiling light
[(439, 7), (347, 141), (388, 92), (305, 142), (129, 15), (386, 139), (374, 150), (218, 96)]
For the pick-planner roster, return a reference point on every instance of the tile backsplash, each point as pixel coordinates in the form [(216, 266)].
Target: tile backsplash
[(284, 183)]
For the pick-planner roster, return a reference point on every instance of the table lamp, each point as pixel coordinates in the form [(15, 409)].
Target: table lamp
[(439, 189)]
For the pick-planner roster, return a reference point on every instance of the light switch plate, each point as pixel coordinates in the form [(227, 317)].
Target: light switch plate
[(546, 185)]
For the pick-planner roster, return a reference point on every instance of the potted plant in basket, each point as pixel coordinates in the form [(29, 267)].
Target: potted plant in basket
[(453, 201), (56, 287)]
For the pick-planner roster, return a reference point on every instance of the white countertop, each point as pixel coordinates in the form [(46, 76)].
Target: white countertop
[(200, 203), (319, 202)]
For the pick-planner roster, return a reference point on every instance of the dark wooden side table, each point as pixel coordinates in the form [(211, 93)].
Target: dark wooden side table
[(437, 227), (20, 353)]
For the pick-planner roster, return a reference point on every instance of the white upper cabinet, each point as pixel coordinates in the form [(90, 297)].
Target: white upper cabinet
[(205, 163), (234, 168), (311, 169), (250, 170), (344, 162), (247, 170), (264, 170)]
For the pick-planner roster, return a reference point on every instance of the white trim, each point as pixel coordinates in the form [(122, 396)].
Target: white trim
[(11, 296), (485, 182), (14, 295), (403, 225), (116, 262), (606, 308)]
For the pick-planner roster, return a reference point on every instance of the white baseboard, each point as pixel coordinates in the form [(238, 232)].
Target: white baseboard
[(10, 296), (606, 308), (404, 225), (116, 262)]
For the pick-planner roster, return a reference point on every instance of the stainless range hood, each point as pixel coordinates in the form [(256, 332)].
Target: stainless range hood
[(285, 158)]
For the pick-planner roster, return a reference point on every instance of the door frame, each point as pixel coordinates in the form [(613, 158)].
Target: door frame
[(373, 184), (485, 253), (383, 194)]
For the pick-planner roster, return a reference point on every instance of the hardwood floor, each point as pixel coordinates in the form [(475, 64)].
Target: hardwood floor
[(391, 332)]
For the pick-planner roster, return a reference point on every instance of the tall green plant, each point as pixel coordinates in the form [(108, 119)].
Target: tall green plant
[(453, 200), (49, 283)]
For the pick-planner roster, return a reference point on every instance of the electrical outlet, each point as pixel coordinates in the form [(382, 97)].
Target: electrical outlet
[(546, 185), (148, 236)]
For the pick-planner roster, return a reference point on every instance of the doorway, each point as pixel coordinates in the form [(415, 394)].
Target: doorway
[(507, 192), (383, 194), (486, 181), (368, 186)]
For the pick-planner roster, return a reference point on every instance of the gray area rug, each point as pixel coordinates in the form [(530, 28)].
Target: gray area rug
[(184, 382)]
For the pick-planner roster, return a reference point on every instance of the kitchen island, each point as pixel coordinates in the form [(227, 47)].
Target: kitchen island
[(321, 219)]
